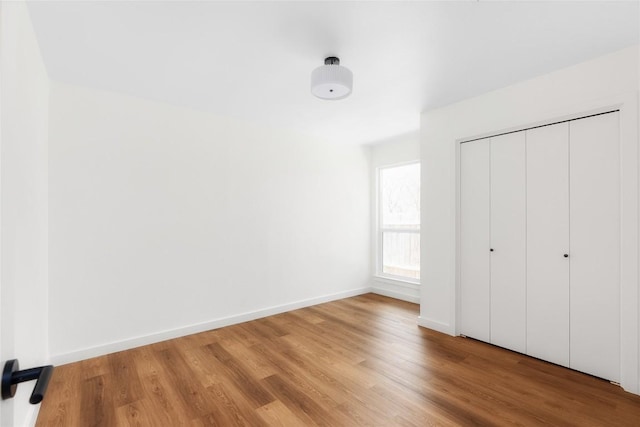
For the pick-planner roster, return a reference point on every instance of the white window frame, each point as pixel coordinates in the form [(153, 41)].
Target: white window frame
[(380, 230)]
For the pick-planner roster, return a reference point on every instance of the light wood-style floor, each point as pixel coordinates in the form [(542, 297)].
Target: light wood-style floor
[(358, 361)]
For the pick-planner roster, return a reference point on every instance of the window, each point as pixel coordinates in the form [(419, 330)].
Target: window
[(399, 222)]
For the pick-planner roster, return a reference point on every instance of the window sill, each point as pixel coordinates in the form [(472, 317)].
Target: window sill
[(408, 283)]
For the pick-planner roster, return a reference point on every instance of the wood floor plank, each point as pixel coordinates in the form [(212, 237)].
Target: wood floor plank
[(295, 374), (126, 387), (96, 403), (353, 362), (63, 406), (258, 367), (191, 394), (277, 414), (205, 370), (240, 376), (158, 389), (231, 408), (302, 405), (141, 413)]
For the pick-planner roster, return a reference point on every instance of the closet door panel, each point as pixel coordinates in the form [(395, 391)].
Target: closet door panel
[(508, 241), (595, 245), (474, 239), (547, 242)]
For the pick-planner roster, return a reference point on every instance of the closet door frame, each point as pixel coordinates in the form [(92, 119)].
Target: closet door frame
[(627, 105)]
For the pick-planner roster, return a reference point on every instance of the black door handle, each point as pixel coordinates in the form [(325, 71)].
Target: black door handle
[(11, 377), (491, 250), (566, 255)]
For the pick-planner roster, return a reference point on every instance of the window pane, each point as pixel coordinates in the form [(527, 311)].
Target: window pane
[(400, 196), (401, 254)]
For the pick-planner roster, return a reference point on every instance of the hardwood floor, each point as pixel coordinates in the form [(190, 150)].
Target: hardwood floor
[(357, 361)]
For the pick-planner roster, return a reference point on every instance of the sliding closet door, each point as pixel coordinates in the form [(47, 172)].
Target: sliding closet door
[(547, 243), (474, 239), (595, 245), (508, 241)]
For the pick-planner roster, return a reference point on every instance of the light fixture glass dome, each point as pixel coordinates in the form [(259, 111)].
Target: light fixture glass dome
[(331, 81)]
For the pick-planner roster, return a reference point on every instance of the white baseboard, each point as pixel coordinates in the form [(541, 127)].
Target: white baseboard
[(100, 350), (397, 289), (397, 295), (436, 326)]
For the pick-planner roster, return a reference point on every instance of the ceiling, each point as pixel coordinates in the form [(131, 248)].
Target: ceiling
[(252, 60)]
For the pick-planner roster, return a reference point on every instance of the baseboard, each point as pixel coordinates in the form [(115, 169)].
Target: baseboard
[(436, 326), (398, 289), (87, 353), (397, 295)]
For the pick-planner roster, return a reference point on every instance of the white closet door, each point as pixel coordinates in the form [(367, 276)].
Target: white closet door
[(595, 246), (508, 241), (474, 239), (547, 242)]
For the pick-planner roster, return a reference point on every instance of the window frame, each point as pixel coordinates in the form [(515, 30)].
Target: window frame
[(380, 230)]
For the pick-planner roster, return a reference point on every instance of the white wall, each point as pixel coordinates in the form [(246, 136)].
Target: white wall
[(24, 95), (401, 149), (166, 221), (611, 80)]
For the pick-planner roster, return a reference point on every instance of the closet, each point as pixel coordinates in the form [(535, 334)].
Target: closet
[(540, 243)]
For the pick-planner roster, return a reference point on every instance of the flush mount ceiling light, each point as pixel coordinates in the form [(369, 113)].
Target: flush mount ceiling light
[(331, 81)]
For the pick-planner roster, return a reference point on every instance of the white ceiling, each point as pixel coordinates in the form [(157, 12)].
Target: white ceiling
[(252, 60)]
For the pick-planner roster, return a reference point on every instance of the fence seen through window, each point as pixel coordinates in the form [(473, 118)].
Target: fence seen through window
[(399, 221)]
